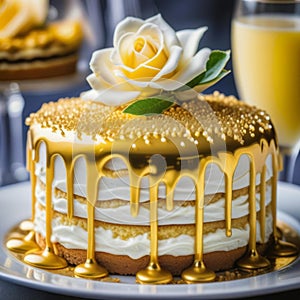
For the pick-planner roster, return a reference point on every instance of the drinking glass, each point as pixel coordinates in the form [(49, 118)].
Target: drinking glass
[(266, 64)]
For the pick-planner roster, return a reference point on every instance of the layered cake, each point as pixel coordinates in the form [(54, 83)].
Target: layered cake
[(112, 171), (144, 176), (31, 47)]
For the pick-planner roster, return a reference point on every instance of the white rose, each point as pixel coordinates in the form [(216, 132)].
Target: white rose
[(147, 57)]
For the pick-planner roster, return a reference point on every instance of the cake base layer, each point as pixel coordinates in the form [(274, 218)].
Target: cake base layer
[(124, 265), (39, 68)]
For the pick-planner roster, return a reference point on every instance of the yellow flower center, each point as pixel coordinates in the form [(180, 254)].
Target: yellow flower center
[(144, 52), (139, 44)]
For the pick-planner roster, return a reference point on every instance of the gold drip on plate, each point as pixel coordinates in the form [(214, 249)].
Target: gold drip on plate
[(45, 259), (90, 269), (23, 245), (252, 261), (198, 273), (153, 274), (283, 249), (26, 225)]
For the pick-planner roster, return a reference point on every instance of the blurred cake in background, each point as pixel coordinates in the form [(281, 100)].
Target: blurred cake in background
[(31, 47)]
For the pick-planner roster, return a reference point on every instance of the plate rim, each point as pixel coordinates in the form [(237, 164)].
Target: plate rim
[(106, 290)]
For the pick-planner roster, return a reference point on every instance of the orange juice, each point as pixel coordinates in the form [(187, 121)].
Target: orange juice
[(266, 65)]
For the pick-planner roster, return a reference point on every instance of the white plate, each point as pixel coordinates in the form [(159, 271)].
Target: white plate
[(15, 207)]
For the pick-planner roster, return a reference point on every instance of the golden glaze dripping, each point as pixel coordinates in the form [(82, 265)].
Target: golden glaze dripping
[(281, 248), (262, 220), (91, 269), (153, 273), (47, 258), (198, 272), (96, 156)]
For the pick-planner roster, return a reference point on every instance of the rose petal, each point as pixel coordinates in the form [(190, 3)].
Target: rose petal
[(148, 92), (115, 58), (146, 47), (166, 84), (101, 65), (141, 82), (125, 42), (141, 71), (152, 31), (170, 36), (129, 24), (128, 54), (172, 63), (189, 39), (96, 82), (196, 66), (114, 95), (110, 97)]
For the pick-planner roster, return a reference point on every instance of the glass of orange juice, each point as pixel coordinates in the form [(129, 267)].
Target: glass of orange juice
[(266, 64)]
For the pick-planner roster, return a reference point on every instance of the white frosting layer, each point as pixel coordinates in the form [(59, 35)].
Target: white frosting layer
[(118, 188), (74, 237), (179, 215)]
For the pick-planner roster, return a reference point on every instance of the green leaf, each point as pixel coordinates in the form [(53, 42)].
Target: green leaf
[(214, 68), (204, 86), (148, 106)]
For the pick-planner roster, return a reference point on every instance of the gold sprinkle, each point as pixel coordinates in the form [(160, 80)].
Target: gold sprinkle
[(208, 118), (261, 130)]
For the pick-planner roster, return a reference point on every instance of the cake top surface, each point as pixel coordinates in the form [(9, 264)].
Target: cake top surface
[(207, 120)]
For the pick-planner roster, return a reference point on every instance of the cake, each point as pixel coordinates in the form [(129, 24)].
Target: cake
[(149, 177), (32, 47)]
